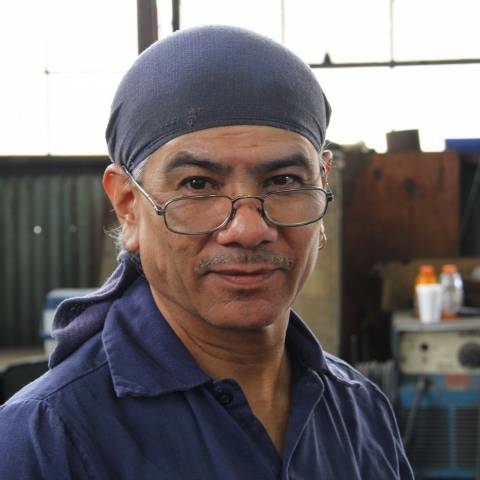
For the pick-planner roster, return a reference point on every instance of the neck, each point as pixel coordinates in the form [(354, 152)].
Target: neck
[(255, 358)]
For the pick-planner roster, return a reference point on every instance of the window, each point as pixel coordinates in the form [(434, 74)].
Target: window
[(65, 58), (61, 61)]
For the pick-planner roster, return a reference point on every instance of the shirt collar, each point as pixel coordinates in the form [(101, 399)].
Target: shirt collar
[(146, 358), (306, 350)]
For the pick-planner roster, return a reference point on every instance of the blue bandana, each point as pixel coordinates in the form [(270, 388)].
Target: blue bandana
[(210, 77)]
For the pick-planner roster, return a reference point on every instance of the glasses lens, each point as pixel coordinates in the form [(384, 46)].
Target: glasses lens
[(197, 214), (295, 207)]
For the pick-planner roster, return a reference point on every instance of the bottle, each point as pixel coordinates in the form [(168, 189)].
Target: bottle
[(426, 274), (452, 291)]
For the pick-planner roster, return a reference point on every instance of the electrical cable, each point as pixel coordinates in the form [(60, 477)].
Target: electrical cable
[(422, 386)]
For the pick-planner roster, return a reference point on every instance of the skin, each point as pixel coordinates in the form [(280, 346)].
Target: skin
[(232, 314)]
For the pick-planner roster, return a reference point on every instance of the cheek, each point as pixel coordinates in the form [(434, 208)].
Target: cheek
[(167, 258), (155, 249), (306, 251), (311, 260)]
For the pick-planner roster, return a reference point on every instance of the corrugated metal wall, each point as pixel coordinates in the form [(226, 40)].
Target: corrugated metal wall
[(52, 217)]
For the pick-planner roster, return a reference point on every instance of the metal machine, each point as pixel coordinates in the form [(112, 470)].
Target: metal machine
[(438, 395)]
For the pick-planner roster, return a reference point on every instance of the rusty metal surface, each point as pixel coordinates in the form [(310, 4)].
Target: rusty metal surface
[(397, 207)]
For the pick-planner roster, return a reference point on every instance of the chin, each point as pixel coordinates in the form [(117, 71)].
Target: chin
[(240, 324), (245, 316)]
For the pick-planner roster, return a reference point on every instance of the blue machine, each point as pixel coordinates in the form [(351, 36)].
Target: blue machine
[(438, 395)]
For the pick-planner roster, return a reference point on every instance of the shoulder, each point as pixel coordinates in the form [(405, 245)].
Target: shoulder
[(37, 420), (22, 418), (370, 418), (365, 407), (35, 443), (343, 372), (350, 386), (89, 360)]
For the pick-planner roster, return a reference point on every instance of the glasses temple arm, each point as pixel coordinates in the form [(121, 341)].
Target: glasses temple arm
[(158, 210)]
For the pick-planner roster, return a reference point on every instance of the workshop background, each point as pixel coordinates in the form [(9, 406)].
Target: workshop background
[(402, 77)]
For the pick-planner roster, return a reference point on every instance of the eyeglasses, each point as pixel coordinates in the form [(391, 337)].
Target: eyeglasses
[(202, 214)]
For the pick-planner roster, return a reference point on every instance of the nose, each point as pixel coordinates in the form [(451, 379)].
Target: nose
[(247, 228)]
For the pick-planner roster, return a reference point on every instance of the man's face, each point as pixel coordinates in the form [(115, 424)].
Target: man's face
[(246, 275)]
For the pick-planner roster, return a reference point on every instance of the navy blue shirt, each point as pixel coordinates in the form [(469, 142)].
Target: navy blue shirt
[(131, 403)]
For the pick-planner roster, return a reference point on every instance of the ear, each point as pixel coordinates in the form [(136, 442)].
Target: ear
[(121, 193), (327, 157)]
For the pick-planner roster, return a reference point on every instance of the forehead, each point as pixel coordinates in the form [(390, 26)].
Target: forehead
[(236, 146)]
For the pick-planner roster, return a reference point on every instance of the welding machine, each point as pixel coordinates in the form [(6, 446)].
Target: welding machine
[(438, 395)]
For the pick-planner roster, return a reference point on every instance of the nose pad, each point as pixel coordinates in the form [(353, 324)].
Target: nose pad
[(259, 210)]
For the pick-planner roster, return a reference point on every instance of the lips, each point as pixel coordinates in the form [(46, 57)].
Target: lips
[(245, 277)]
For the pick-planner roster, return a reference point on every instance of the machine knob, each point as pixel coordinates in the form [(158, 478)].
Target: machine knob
[(469, 355)]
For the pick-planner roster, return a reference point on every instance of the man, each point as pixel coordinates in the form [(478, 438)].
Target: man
[(188, 363)]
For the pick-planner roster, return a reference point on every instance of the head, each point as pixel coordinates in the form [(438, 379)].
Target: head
[(218, 111)]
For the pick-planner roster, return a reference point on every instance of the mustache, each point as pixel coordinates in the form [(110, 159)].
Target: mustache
[(245, 258)]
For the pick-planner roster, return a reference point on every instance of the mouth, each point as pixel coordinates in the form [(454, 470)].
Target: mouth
[(249, 278)]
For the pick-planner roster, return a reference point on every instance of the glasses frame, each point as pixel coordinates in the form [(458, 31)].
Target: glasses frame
[(161, 211)]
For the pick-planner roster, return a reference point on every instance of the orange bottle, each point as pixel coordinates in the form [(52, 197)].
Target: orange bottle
[(426, 274)]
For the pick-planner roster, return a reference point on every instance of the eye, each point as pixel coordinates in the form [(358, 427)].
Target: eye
[(284, 181), (199, 183)]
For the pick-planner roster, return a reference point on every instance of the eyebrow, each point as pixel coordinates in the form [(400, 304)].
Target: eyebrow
[(295, 160), (185, 159)]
